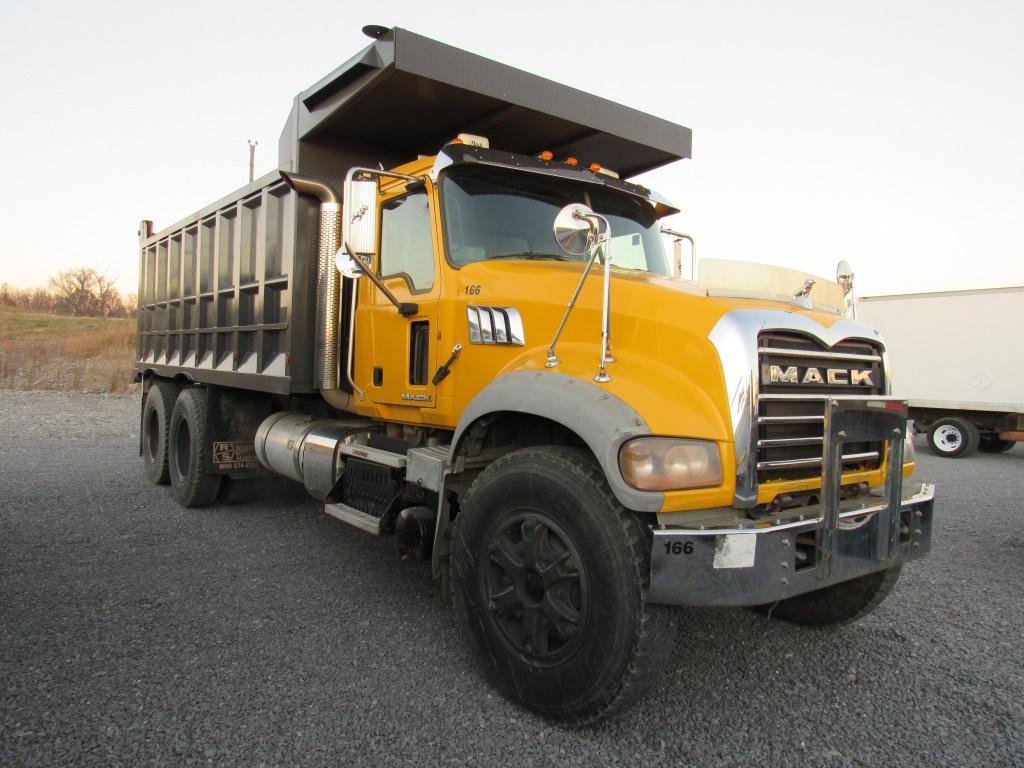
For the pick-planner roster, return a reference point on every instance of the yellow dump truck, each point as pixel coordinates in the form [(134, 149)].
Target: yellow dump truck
[(452, 318)]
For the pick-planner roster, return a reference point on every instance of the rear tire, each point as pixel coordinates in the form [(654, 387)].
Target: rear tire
[(839, 604), (156, 421), (992, 444), (549, 575), (191, 484), (952, 437)]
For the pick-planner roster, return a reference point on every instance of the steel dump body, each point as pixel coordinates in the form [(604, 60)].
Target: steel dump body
[(226, 295)]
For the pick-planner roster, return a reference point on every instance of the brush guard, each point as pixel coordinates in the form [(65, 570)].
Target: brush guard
[(752, 562)]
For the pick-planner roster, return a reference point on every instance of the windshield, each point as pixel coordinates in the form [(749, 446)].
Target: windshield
[(492, 213)]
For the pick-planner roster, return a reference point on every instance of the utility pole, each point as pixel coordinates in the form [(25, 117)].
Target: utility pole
[(252, 157)]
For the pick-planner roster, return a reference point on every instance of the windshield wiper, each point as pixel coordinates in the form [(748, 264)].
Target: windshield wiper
[(529, 255)]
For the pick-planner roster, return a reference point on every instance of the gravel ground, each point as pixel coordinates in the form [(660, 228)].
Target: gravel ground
[(134, 632)]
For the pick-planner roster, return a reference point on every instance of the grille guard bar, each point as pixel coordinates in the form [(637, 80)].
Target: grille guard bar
[(740, 564)]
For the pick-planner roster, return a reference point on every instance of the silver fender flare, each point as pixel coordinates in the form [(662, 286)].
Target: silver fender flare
[(602, 421)]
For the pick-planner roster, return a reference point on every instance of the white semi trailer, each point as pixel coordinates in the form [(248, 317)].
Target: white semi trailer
[(960, 364)]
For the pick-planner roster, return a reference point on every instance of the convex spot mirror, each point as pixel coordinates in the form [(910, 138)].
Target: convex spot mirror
[(577, 229), (844, 276), (347, 264)]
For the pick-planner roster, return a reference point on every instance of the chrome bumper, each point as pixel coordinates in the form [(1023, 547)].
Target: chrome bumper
[(736, 563)]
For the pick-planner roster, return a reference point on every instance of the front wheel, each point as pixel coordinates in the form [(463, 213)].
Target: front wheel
[(550, 577), (952, 437), (839, 604)]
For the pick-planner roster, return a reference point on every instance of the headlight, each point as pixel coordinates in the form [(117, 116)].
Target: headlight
[(670, 464)]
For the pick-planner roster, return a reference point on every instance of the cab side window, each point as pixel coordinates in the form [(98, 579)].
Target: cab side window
[(405, 241)]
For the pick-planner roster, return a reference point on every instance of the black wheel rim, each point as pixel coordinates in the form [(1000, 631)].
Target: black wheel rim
[(536, 587), (182, 450), (152, 435)]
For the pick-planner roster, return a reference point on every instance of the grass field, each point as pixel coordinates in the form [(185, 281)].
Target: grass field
[(78, 354)]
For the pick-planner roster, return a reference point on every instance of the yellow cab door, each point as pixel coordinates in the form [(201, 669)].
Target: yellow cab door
[(396, 355)]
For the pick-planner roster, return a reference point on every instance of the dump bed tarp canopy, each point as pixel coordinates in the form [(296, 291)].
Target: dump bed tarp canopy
[(409, 95)]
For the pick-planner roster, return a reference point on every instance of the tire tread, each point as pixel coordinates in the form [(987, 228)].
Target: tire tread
[(652, 637)]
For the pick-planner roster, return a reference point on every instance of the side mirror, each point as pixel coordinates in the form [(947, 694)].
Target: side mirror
[(359, 216), (578, 229)]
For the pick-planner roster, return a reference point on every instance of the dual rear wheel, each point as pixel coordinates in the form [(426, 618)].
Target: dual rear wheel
[(174, 443)]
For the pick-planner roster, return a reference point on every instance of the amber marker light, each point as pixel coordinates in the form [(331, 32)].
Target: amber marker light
[(547, 154), (595, 167), (572, 161), (670, 464)]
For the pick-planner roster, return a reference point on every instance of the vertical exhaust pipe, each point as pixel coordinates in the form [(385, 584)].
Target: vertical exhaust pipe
[(328, 288)]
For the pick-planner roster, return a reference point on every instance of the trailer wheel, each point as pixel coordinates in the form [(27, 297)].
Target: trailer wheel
[(839, 604), (952, 437), (191, 484), (156, 421), (549, 575), (992, 444)]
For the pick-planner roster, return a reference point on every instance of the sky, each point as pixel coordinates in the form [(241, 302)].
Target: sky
[(889, 134)]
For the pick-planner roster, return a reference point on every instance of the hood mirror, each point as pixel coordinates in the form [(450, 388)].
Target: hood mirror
[(577, 229), (844, 276)]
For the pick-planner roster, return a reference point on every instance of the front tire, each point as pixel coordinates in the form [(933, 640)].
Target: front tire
[(839, 604), (952, 437), (191, 484), (550, 575)]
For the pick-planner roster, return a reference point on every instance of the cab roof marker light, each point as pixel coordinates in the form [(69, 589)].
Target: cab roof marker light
[(472, 140)]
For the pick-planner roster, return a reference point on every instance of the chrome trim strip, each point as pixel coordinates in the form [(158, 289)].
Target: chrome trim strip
[(474, 325), (516, 333), (486, 325), (781, 441), (790, 419), (735, 337), (822, 354), (925, 493), (813, 462), (500, 326)]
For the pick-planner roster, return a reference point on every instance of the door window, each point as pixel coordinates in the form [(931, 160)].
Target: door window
[(405, 244)]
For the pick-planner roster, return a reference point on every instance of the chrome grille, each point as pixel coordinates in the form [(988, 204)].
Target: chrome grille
[(790, 418)]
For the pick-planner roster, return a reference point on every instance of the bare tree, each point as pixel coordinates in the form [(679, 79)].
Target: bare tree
[(85, 291)]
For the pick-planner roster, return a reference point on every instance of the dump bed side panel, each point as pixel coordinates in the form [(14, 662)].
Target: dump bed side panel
[(226, 296)]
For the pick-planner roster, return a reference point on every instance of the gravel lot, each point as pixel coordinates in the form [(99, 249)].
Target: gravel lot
[(133, 632)]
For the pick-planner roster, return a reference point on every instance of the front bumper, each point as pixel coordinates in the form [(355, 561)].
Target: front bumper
[(744, 562)]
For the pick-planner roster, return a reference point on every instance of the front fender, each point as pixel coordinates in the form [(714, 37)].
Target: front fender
[(603, 421)]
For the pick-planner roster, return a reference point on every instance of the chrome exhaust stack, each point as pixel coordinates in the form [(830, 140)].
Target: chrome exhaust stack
[(328, 287)]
